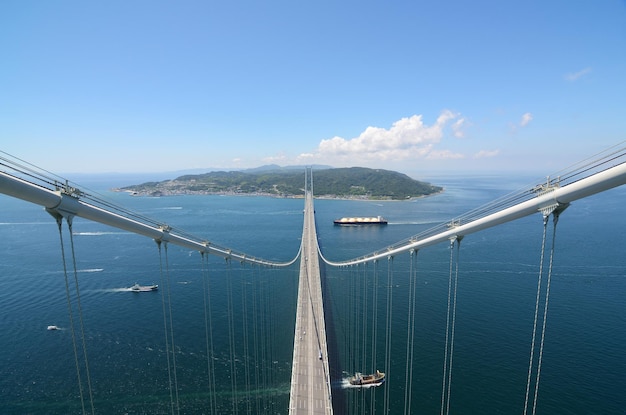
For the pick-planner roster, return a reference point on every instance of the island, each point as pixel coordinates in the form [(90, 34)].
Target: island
[(345, 183)]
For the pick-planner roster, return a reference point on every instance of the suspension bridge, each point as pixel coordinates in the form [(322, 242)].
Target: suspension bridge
[(314, 376)]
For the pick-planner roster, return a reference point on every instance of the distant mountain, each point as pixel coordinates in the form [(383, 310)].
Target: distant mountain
[(276, 167), (352, 182)]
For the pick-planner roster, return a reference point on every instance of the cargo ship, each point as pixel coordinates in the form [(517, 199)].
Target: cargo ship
[(378, 220)]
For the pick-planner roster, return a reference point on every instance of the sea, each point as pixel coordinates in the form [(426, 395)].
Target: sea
[(217, 336)]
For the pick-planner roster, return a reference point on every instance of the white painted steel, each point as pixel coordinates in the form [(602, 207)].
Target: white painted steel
[(556, 196), (58, 202)]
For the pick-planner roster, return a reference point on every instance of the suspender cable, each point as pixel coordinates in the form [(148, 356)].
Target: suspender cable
[(352, 318), (355, 325), (554, 210), (59, 220), (538, 297), (271, 338), (410, 338), (171, 318), (231, 339), (246, 354), (445, 359), (374, 330), (263, 324), (456, 283), (346, 331), (555, 219), (450, 325), (167, 322), (208, 329), (255, 335), (80, 314), (388, 328), (364, 337)]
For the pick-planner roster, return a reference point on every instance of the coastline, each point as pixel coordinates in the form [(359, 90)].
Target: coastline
[(186, 192)]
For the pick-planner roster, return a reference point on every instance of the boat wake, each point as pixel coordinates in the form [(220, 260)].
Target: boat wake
[(53, 328), (113, 290), (360, 380), (345, 384), (415, 222), (121, 289)]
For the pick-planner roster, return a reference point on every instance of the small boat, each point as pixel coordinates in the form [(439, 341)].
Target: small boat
[(53, 328), (363, 380), (378, 220), (143, 288)]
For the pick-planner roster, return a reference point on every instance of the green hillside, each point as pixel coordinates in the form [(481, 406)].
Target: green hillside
[(353, 182)]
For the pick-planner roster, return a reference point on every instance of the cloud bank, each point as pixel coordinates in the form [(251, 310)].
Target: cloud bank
[(407, 139)]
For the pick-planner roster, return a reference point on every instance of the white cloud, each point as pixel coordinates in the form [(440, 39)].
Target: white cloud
[(577, 75), (407, 139), (457, 128), (526, 118), (486, 153)]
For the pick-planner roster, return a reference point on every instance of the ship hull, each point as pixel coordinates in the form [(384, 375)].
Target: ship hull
[(360, 221), (375, 379)]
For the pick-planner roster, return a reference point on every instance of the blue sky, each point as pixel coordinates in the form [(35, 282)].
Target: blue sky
[(413, 86)]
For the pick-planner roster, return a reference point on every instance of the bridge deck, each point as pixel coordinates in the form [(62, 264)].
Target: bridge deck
[(310, 377)]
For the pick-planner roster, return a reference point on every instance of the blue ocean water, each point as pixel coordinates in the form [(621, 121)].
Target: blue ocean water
[(583, 365)]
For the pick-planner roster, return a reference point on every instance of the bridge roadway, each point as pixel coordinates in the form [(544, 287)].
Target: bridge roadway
[(310, 376)]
